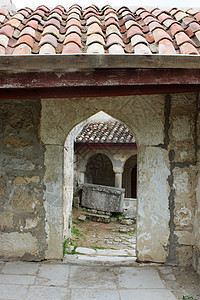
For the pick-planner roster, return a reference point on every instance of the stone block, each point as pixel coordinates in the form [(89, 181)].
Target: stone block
[(52, 274), (22, 200), (26, 180), (185, 237), (6, 219), (185, 255), (16, 244), (102, 198), (129, 210), (2, 191)]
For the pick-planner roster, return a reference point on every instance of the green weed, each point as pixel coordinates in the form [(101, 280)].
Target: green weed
[(188, 298), (75, 231)]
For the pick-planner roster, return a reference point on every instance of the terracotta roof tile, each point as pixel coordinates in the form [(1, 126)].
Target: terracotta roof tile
[(93, 19), (73, 29), (49, 39), (160, 34), (3, 11), (182, 37), (105, 132), (197, 16), (74, 22), (155, 25), (25, 39), (4, 40), (77, 30), (188, 48), (95, 38), (36, 17), (94, 28), (7, 30), (43, 7), (166, 47), (47, 49), (188, 20), (51, 29), (194, 26), (142, 49), (33, 24), (73, 38), (112, 29), (95, 48), (73, 15), (163, 17), (28, 30), (111, 21), (54, 22), (175, 28), (22, 49), (2, 50), (71, 48), (114, 39), (14, 23)]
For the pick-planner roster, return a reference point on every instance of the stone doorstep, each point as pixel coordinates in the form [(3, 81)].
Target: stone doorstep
[(100, 260), (105, 252)]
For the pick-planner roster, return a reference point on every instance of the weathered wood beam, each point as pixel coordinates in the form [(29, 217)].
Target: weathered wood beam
[(106, 146), (100, 78), (77, 62), (71, 92)]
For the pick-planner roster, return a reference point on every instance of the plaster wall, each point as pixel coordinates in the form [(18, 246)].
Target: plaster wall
[(32, 184)]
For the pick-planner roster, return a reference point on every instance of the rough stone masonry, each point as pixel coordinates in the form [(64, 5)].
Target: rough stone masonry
[(33, 182)]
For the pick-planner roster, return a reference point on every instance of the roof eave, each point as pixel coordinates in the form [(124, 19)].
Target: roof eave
[(83, 62)]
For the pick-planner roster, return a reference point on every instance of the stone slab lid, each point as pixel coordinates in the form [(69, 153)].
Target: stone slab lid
[(92, 30)]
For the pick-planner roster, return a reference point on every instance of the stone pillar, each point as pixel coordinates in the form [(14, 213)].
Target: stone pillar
[(118, 179), (81, 177)]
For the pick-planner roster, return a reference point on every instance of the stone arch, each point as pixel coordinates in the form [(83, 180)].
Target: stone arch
[(145, 117), (99, 170)]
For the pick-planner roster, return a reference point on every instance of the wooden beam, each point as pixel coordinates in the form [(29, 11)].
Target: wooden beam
[(77, 62), (105, 146), (100, 78), (94, 91)]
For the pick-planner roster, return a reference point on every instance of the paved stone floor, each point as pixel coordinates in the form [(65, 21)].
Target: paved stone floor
[(28, 280)]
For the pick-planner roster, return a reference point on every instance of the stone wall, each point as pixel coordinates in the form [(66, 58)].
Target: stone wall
[(22, 213), (196, 256), (33, 185)]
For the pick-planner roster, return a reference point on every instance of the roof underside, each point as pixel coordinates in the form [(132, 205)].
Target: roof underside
[(100, 31)]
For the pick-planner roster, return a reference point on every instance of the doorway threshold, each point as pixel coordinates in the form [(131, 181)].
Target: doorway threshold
[(106, 257)]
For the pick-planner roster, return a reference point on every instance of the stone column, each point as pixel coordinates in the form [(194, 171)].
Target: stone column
[(118, 179), (81, 177)]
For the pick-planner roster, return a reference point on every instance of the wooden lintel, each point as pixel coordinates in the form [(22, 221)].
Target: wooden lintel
[(95, 91), (105, 146), (100, 78), (71, 62)]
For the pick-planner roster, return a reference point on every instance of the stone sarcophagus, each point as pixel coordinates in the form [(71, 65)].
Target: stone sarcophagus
[(102, 198)]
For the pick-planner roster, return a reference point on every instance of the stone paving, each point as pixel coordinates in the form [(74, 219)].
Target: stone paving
[(50, 280)]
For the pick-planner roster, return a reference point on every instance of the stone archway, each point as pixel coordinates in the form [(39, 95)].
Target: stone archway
[(99, 170), (145, 117)]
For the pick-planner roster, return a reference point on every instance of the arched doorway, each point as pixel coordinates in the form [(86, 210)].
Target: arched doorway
[(99, 170), (59, 117)]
